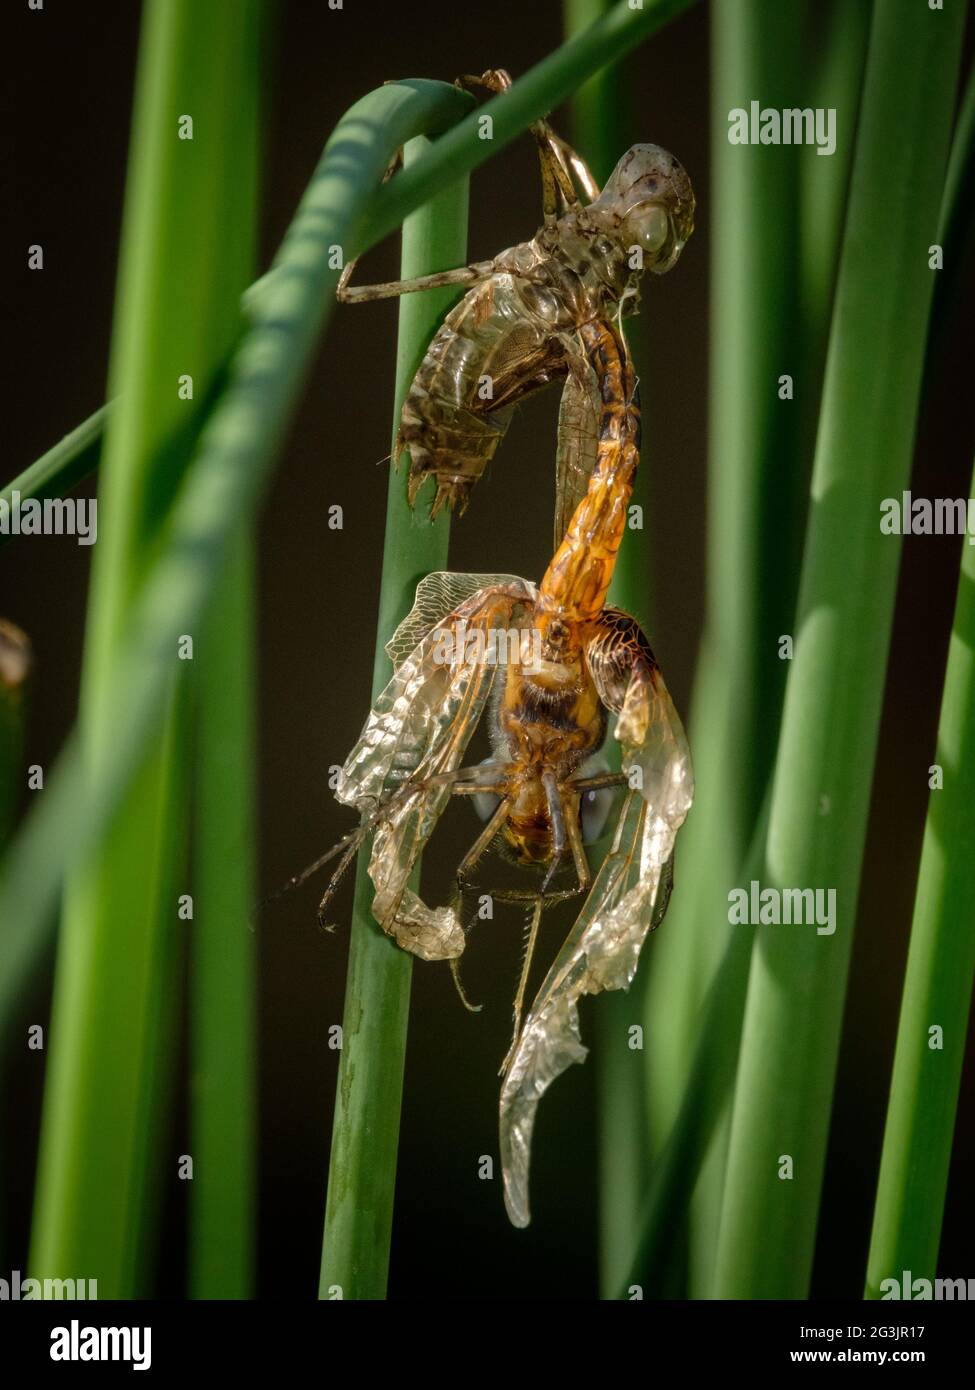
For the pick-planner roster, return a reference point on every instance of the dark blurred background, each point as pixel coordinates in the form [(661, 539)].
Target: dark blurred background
[(71, 80)]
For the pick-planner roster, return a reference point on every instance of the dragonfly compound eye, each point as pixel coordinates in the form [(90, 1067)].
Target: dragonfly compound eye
[(647, 226)]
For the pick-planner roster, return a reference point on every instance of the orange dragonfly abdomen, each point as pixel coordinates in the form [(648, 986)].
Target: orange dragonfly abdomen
[(575, 585)]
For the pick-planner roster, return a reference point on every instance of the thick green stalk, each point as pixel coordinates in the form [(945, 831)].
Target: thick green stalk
[(775, 215), (834, 690), (938, 982), (365, 1132), (223, 961), (937, 987), (107, 1070), (223, 951)]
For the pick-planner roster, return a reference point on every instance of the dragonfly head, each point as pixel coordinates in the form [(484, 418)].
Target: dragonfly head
[(647, 202)]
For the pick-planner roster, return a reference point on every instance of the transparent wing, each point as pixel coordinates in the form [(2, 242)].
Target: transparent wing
[(438, 595), (578, 439), (414, 738), (628, 898)]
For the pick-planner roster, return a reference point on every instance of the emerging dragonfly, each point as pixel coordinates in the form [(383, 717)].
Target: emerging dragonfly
[(548, 716), (520, 326)]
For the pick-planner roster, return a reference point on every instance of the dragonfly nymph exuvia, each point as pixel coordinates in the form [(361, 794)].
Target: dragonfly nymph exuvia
[(520, 325)]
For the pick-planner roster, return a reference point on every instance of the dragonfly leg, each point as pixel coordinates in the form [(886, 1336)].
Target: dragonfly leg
[(473, 788), (463, 869), (459, 986), (482, 842), (574, 161), (350, 844), (575, 843), (351, 850), (557, 160), (559, 835), (600, 779), (519, 1005), (389, 289)]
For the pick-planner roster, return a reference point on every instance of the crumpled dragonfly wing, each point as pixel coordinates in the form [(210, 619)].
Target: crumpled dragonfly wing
[(627, 899), (416, 736), (578, 440)]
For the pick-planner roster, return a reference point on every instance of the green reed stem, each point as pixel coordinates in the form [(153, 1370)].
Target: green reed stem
[(785, 441), (754, 475), (116, 960), (223, 950), (835, 683), (938, 981), (223, 1103), (937, 987), (775, 217), (365, 1133)]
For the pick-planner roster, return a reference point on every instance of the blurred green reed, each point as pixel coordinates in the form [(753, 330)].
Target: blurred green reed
[(824, 763), (104, 1138), (775, 218), (222, 956), (938, 985), (941, 960), (222, 976)]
